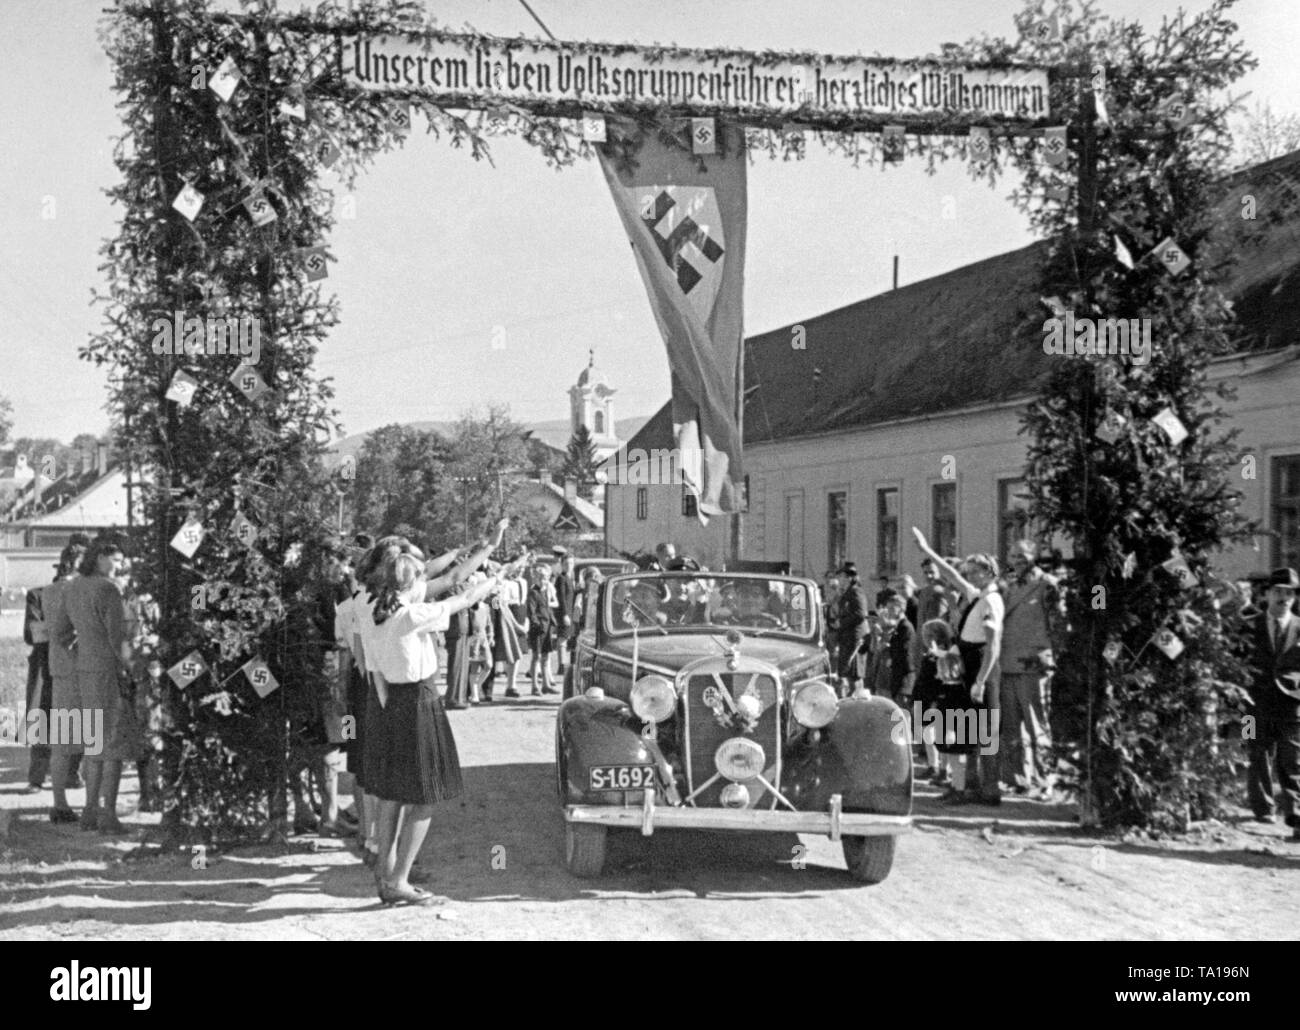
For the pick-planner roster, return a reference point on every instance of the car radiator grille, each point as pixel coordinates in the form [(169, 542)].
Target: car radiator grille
[(705, 732)]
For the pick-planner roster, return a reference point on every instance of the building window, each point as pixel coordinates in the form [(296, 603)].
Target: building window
[(1013, 515), (1285, 521), (642, 503), (887, 532), (837, 529), (599, 421), (690, 506), (943, 518), (744, 495)]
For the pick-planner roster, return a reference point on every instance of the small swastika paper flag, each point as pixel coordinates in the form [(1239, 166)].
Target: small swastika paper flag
[(1171, 424), (313, 260), (188, 202), (182, 388), (188, 537), (399, 119), (259, 675), (1112, 650), (1168, 642), (328, 152), (1111, 428), (981, 144), (260, 209), (1177, 566), (188, 669), (593, 127), (1054, 148), (1047, 30), (293, 110), (892, 145), (249, 382), (1171, 256), (1178, 112), (224, 80), (703, 136), (1122, 254), (244, 529)]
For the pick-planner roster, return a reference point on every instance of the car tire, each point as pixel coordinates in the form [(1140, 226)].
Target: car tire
[(869, 858), (584, 849)]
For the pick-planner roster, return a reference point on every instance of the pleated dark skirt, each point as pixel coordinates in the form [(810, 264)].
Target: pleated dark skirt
[(355, 748), (415, 760)]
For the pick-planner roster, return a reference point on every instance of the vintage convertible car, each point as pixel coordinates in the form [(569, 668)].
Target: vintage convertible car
[(703, 700)]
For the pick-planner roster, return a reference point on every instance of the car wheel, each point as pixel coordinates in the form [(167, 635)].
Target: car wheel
[(584, 849), (869, 858)]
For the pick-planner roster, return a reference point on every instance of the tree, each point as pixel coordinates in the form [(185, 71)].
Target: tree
[(1141, 722), (402, 478), (6, 418), (1264, 135), (489, 455), (580, 462)]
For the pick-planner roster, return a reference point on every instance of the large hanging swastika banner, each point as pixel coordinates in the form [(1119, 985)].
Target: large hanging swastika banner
[(470, 70)]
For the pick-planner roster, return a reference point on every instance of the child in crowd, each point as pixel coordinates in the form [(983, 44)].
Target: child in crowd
[(938, 687)]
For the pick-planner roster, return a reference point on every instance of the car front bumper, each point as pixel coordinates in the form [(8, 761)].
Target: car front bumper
[(649, 816)]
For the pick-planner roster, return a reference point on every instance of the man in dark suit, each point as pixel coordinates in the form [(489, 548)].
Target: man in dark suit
[(1275, 693), (564, 590), (853, 626)]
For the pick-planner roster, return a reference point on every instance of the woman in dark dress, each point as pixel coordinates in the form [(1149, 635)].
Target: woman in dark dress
[(457, 640), (419, 765)]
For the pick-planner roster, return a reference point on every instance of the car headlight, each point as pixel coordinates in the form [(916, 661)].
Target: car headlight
[(739, 759), (653, 698), (815, 704)]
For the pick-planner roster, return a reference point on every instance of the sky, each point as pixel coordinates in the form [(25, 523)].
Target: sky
[(446, 254)]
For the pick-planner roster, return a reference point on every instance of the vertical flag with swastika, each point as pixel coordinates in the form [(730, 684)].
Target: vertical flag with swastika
[(685, 218), (260, 676)]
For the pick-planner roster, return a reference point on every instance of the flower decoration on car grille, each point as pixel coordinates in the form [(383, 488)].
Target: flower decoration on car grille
[(740, 715)]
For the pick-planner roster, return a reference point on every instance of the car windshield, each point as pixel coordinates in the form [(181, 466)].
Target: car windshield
[(681, 603)]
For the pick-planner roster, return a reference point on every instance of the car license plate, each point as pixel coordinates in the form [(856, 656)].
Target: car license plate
[(622, 777)]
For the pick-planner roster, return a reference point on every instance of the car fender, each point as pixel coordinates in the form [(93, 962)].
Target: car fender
[(593, 731), (864, 755)]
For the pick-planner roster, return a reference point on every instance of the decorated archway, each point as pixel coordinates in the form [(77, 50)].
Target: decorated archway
[(231, 119)]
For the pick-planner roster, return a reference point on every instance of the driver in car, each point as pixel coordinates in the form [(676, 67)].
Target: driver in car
[(642, 604), (750, 605)]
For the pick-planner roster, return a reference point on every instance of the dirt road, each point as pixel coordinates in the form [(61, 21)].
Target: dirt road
[(1021, 871)]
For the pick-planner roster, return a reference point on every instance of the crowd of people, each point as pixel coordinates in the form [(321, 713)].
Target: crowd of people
[(969, 640), (973, 643)]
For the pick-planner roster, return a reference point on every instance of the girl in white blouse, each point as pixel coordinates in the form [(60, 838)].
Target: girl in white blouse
[(979, 637), (418, 765)]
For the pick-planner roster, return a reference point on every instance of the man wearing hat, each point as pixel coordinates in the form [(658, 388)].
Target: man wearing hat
[(853, 626), (1275, 693), (1031, 601)]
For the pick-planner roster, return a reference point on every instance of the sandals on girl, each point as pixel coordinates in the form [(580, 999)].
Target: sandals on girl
[(390, 895)]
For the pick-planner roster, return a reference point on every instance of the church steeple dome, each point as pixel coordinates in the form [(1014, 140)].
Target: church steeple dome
[(592, 405)]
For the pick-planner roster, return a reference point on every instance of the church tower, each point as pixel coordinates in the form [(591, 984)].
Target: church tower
[(591, 404)]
